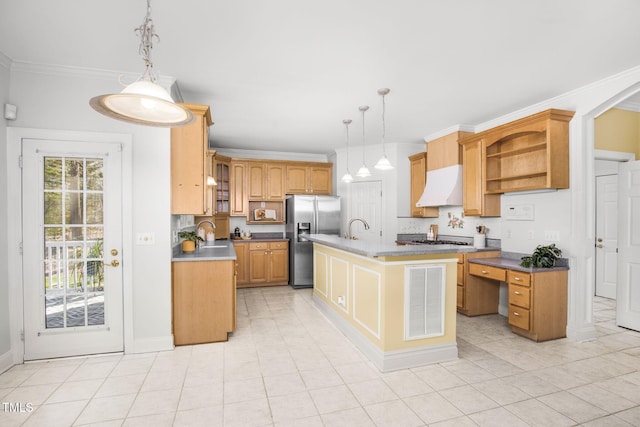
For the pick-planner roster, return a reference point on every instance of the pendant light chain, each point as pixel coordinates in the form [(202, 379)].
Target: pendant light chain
[(147, 33), (383, 164), (347, 178), (384, 152), (363, 172)]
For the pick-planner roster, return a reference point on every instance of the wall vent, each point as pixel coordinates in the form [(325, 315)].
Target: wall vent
[(424, 292)]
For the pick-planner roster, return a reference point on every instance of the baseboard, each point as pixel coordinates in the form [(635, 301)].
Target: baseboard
[(584, 333), (6, 361), (149, 345), (390, 360)]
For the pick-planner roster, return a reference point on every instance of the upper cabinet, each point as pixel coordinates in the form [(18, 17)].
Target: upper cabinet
[(531, 153), (222, 193), (190, 164), (265, 181), (239, 203), (418, 164), (309, 178)]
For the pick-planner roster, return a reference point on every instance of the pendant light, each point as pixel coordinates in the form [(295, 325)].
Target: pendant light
[(144, 102), (347, 178), (363, 172), (384, 163)]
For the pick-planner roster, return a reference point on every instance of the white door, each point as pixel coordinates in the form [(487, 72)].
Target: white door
[(628, 289), (606, 235), (366, 203), (72, 239)]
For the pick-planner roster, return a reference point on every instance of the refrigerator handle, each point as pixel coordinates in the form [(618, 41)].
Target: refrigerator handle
[(315, 215)]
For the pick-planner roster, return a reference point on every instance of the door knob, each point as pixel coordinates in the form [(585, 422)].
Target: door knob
[(599, 239), (599, 245), (114, 252), (113, 263)]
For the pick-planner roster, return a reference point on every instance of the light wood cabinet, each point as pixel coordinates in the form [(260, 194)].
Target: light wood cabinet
[(267, 263), (538, 304), (304, 178), (531, 153), (203, 294), (242, 263), (418, 164), (475, 200), (476, 295), (190, 164), (222, 189), (265, 181), (239, 202)]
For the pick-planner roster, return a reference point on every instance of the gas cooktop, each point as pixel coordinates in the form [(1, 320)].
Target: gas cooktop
[(433, 242)]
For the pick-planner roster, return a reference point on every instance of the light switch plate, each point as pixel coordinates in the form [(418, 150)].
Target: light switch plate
[(146, 239)]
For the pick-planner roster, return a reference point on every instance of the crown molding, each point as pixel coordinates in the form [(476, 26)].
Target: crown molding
[(5, 61), (629, 106), (449, 130), (270, 155), (95, 73)]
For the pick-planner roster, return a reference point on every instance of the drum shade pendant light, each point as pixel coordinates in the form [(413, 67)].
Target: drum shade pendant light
[(144, 102), (384, 163), (347, 175), (363, 172)]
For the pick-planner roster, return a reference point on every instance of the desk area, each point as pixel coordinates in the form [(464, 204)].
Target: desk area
[(537, 296)]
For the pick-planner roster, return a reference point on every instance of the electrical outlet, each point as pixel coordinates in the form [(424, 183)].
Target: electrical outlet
[(552, 235), (530, 235), (341, 300), (145, 239), (175, 237)]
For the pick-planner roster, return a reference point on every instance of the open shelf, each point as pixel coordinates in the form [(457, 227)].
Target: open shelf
[(517, 151), (277, 209)]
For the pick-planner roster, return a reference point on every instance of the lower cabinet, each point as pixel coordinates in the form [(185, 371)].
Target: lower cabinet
[(476, 296), (204, 304), (538, 304), (262, 263)]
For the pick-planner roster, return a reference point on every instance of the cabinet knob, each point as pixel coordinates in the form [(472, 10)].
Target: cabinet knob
[(517, 279), (515, 313), (517, 292), (485, 272)]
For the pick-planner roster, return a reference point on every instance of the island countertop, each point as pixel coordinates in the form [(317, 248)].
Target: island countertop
[(378, 249), (223, 252)]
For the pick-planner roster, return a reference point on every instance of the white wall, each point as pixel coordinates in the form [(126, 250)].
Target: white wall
[(5, 336), (54, 99)]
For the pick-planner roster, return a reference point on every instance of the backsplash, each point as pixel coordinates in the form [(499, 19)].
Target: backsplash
[(452, 222)]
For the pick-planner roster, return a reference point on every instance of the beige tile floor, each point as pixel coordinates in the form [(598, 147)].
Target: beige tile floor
[(287, 366)]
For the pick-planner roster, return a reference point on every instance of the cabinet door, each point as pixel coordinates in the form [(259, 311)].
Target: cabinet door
[(242, 262), (239, 204), (296, 179), (255, 181), (279, 265), (472, 179), (418, 164), (275, 181), (320, 180), (189, 164), (258, 265), (222, 188)]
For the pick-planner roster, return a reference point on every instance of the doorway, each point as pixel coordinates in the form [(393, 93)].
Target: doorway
[(366, 204), (72, 244)]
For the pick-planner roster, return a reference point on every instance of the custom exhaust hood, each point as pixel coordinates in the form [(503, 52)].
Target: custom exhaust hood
[(443, 188)]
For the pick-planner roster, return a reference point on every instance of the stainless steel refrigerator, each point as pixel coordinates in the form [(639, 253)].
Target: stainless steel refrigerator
[(308, 215)]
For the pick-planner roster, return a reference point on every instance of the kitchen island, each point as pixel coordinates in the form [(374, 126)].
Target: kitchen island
[(397, 304), (204, 294)]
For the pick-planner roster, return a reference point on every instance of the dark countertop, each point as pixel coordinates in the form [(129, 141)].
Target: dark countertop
[(513, 263), (222, 252)]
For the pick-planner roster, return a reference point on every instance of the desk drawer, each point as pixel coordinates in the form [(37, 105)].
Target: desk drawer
[(520, 296), (519, 278), (519, 317), (487, 271)]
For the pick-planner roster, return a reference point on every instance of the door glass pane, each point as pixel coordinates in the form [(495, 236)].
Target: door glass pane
[(73, 273)]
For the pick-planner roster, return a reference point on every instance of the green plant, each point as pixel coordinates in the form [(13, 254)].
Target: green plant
[(190, 235), (542, 257)]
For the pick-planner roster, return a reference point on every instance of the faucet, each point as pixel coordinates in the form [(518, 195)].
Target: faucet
[(348, 234)]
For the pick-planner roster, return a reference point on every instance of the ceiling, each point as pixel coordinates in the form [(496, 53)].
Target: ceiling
[(281, 75)]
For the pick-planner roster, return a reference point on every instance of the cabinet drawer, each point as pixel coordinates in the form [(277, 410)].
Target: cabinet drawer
[(519, 317), (519, 278), (258, 245), (487, 271), (519, 295), (460, 274), (278, 245)]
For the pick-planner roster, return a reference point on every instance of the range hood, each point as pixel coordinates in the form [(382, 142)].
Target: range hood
[(443, 188)]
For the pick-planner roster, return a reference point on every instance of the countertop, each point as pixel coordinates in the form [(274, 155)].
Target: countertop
[(260, 239), (513, 263), (373, 249), (224, 252)]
